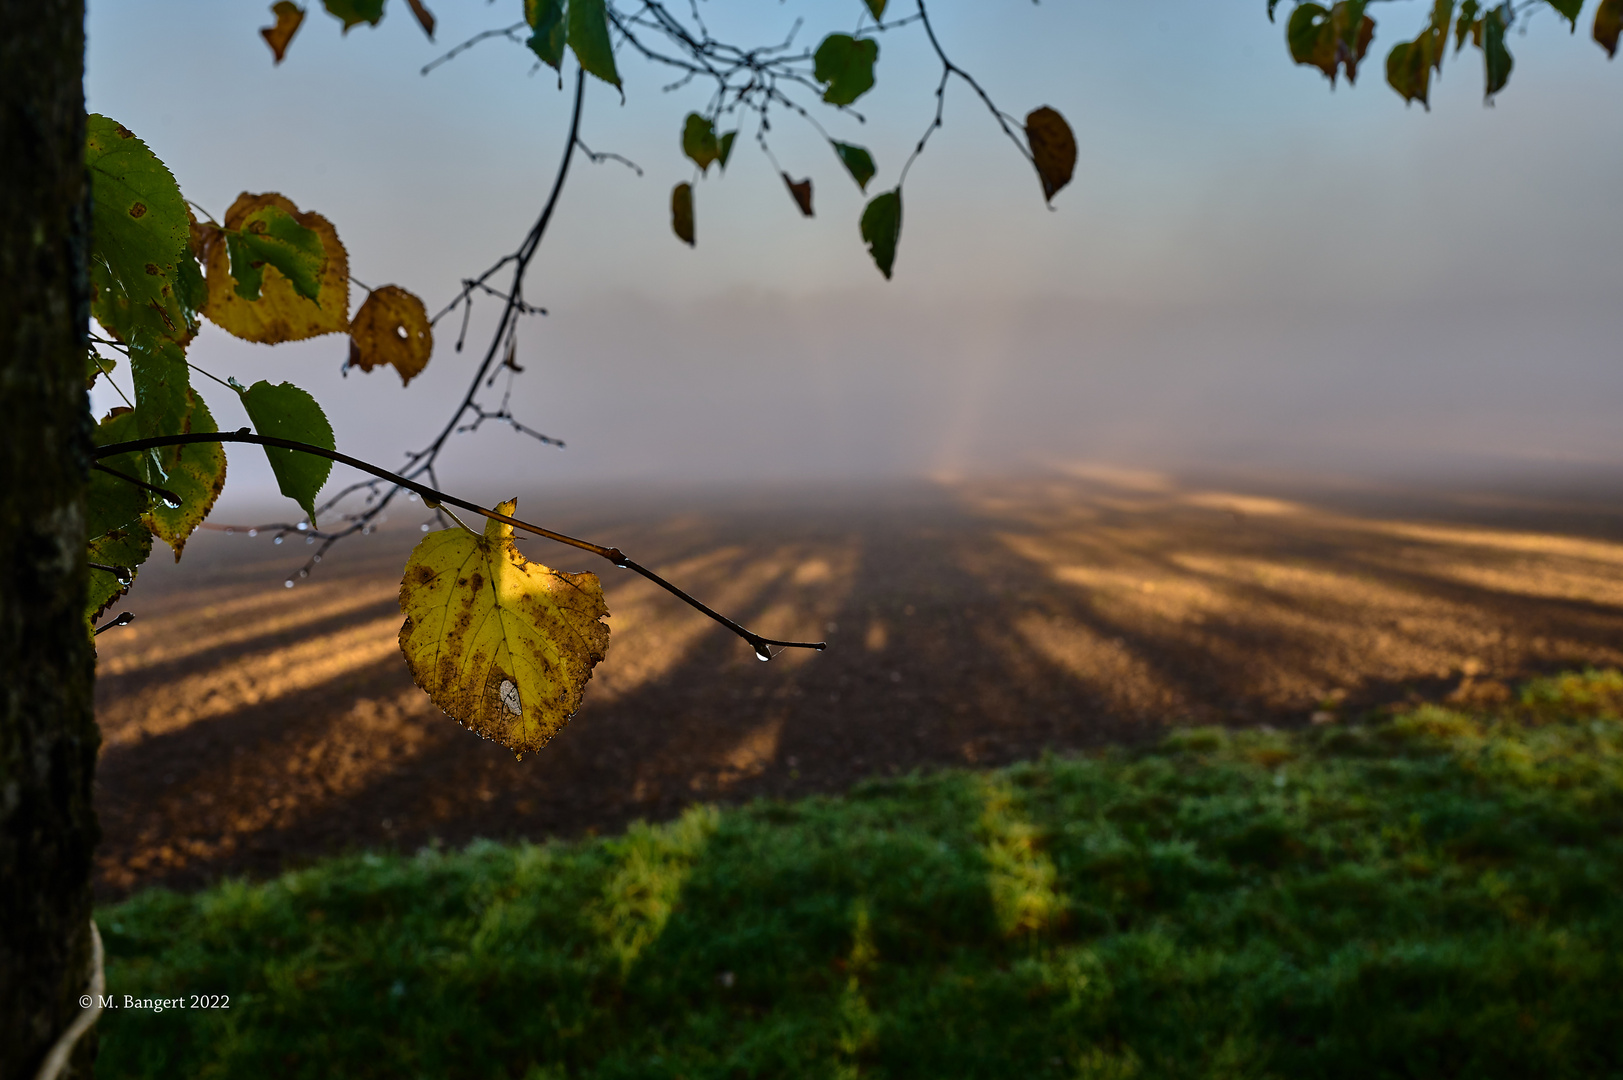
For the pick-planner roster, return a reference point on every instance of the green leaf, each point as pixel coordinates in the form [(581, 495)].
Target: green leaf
[(138, 232), (682, 212), (114, 503), (1305, 27), (724, 148), (177, 320), (589, 38), (113, 517), (882, 228), (857, 161), (1569, 10), (546, 18), (1496, 58), (699, 141), (192, 288), (1409, 65), (116, 427), (1331, 39), (284, 411), (354, 12), (1408, 70), (124, 549), (1442, 16), (845, 64), (877, 8), (271, 235), (1609, 25), (1468, 26), (162, 383), (193, 473)]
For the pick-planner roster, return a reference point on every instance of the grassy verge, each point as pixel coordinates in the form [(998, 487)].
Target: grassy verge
[(1434, 893)]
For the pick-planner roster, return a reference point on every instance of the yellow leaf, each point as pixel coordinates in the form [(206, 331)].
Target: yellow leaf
[(280, 313), (391, 327), (503, 645)]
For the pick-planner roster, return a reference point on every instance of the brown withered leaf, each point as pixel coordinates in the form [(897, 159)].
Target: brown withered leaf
[(425, 18), (391, 327), (504, 645), (1608, 25), (280, 314), (1053, 149), (800, 191), (289, 17), (203, 235)]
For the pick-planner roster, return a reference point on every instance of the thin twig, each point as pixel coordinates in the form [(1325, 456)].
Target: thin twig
[(172, 500), (598, 157), (432, 496), (948, 69), (506, 32)]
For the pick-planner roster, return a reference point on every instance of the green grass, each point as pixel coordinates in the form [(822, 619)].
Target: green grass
[(1433, 893)]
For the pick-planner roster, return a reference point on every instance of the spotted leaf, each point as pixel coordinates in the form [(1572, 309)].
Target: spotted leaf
[(138, 230), (392, 327), (504, 645)]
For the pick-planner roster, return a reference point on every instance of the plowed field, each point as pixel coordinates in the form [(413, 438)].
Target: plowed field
[(248, 727)]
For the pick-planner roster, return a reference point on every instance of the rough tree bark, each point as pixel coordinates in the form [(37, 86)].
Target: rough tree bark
[(48, 737)]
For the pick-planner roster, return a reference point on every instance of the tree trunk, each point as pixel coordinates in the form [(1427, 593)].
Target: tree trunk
[(48, 737)]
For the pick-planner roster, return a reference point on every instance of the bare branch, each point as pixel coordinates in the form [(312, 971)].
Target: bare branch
[(434, 497)]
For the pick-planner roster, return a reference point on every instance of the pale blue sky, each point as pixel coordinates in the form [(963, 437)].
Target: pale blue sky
[(1248, 267)]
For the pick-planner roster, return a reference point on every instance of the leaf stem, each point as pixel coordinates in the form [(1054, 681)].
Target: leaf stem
[(107, 372), (211, 375), (762, 645)]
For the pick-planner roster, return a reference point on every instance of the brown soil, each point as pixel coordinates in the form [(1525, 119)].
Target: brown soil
[(249, 727)]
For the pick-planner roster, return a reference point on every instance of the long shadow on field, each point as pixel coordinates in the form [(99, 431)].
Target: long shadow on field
[(248, 728)]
